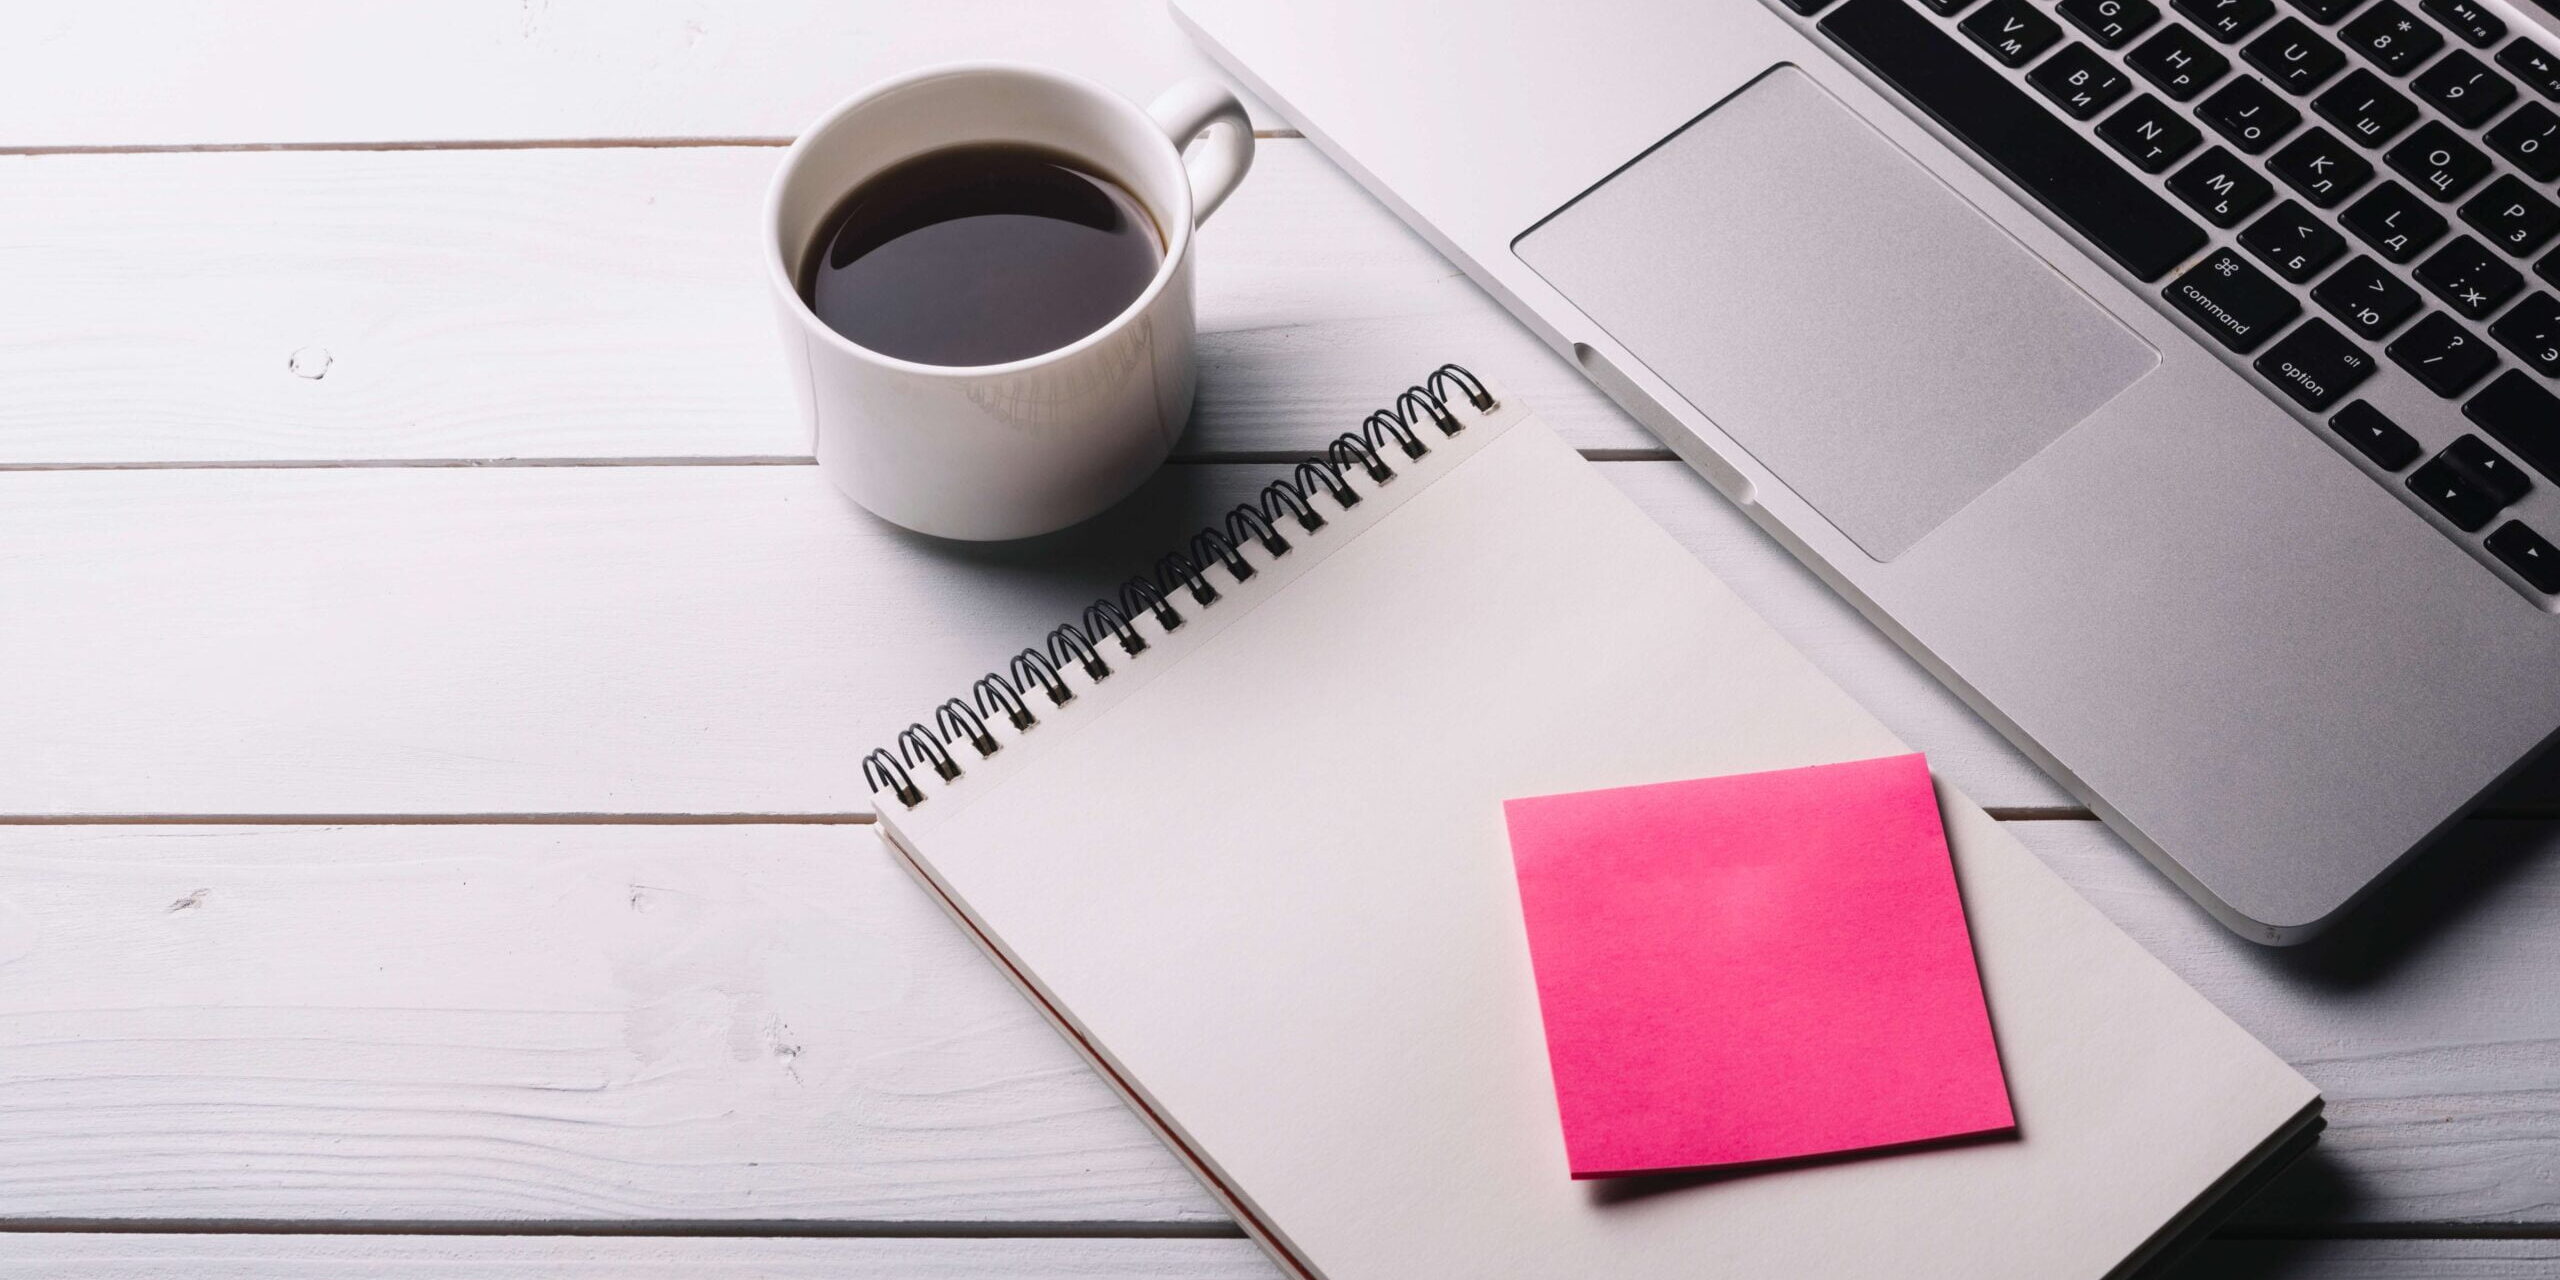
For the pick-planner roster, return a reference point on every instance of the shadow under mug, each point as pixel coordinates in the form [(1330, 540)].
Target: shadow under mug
[(1009, 450)]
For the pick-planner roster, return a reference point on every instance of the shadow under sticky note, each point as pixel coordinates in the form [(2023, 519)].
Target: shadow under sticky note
[(1770, 966)]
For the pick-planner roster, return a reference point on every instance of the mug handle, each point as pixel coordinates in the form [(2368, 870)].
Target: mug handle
[(1217, 163)]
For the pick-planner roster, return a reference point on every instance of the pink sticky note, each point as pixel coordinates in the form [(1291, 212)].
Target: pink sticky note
[(1761, 967)]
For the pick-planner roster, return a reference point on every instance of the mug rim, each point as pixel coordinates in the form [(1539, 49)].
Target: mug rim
[(1177, 236)]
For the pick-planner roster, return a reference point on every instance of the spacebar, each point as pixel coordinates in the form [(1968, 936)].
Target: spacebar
[(2084, 187)]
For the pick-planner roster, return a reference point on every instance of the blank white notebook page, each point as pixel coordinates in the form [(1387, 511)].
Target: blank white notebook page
[(1267, 883)]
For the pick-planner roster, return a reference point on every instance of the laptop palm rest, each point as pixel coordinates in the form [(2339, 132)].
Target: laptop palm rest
[(1863, 331)]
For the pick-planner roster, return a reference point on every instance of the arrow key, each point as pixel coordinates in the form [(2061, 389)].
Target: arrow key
[(2525, 551), (2455, 494), (2375, 435)]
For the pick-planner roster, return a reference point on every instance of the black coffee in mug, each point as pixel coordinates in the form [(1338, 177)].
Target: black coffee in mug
[(979, 254)]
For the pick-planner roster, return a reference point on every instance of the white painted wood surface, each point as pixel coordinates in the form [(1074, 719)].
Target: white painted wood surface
[(123, 73), (288, 1257), (628, 1023), (614, 639), (669, 1024), (597, 640), (643, 1025), (253, 1257), (605, 303)]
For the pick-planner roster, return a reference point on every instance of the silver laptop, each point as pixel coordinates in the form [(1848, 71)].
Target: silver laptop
[(2174, 378)]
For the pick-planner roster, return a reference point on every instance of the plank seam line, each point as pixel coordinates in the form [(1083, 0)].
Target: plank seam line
[(1285, 457), (604, 819), (1063, 1230), (357, 464), (2394, 1231), (669, 818), (559, 819), (767, 1228), (1229, 457), (771, 141)]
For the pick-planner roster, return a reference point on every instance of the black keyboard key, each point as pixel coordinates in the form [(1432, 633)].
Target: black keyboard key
[(2523, 417), (2467, 20), (2503, 479), (1806, 7), (2534, 65), (2179, 61), (2112, 23), (2366, 107), (2080, 82), (2524, 551), (2293, 242), (2227, 20), (2548, 268), (2441, 354), (2439, 161), (2513, 216), (2011, 31), (2464, 88), (2222, 187), (2366, 298), (2249, 114), (2375, 436), (2531, 138), (2150, 134), (2324, 169), (1948, 8), (2455, 494), (2470, 277), (2315, 365), (2395, 222), (2119, 213), (2531, 329), (2391, 37), (2294, 56), (2326, 11), (2235, 302)]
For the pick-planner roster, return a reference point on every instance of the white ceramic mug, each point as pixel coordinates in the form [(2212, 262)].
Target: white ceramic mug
[(1005, 450)]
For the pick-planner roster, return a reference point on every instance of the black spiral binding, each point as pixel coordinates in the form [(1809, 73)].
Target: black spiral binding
[(1286, 508)]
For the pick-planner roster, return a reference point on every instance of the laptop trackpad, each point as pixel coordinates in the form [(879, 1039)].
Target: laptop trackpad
[(1865, 332)]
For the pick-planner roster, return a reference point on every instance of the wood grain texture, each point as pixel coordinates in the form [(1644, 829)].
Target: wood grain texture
[(677, 1025), (2427, 1019), (701, 640), (137, 72), (621, 1023), (256, 1257), (274, 1257), (631, 640), (370, 306)]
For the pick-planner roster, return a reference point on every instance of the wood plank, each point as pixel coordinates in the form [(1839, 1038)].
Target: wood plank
[(242, 1257), (135, 72), (757, 1023), (631, 639), (622, 1023), (2373, 1260), (290, 1257), (2427, 1019), (612, 639), (605, 303)]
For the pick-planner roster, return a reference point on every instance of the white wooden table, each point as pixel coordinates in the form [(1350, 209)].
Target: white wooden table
[(432, 680)]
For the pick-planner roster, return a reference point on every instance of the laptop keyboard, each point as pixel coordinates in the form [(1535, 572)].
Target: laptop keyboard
[(2318, 186)]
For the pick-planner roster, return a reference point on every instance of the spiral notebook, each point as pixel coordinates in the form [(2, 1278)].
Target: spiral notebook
[(1239, 833)]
